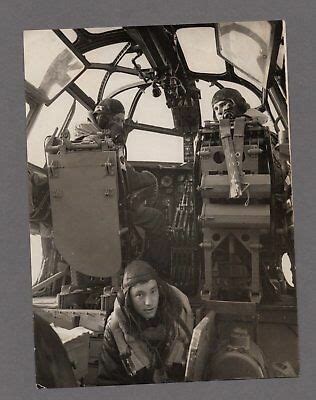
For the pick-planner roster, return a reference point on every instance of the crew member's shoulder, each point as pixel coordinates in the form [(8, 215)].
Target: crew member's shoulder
[(85, 129), (180, 295), (256, 116)]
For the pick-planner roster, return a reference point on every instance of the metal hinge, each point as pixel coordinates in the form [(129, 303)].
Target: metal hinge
[(53, 169)]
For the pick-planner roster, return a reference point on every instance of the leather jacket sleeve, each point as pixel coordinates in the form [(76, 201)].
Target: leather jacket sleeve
[(111, 370)]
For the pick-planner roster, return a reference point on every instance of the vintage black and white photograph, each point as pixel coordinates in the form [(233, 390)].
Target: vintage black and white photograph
[(160, 204)]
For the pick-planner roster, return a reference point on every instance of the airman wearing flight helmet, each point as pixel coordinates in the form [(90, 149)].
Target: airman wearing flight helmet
[(147, 336), (228, 103)]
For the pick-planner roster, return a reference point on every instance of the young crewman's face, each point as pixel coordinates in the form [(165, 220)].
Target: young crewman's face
[(145, 298), (225, 109)]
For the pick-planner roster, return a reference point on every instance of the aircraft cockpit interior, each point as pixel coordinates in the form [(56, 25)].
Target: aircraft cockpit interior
[(216, 216)]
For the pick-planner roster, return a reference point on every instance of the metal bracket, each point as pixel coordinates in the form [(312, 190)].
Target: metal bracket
[(108, 192), (53, 169), (108, 165)]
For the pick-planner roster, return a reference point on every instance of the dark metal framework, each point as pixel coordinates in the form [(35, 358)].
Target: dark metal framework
[(169, 71)]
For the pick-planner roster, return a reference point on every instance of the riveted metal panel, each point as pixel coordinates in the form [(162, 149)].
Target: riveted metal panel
[(255, 216), (217, 186), (213, 159), (84, 201)]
